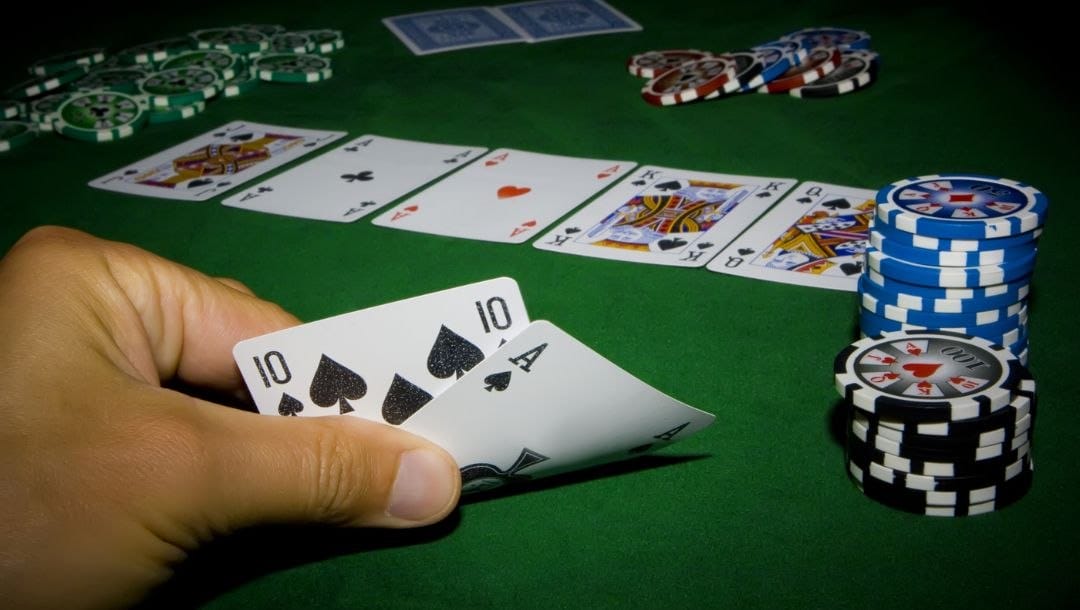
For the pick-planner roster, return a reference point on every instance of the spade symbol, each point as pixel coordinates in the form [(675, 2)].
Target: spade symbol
[(403, 399), (365, 204), (764, 194), (572, 230), (851, 268), (219, 134), (266, 189), (497, 381), (363, 176), (836, 204), (671, 185), (452, 354), (352, 148), (638, 183), (200, 182), (746, 251), (309, 144), (224, 184), (705, 245), (289, 406), (131, 171), (671, 242), (333, 383), (243, 137), (804, 200)]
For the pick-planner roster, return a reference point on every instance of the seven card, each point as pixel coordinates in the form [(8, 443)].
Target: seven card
[(666, 216), (816, 236), (216, 161), (551, 19), (383, 363), (446, 30), (354, 180), (545, 403), (506, 196)]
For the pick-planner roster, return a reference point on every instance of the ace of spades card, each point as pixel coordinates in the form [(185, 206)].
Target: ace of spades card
[(215, 162), (666, 216), (816, 236), (384, 363)]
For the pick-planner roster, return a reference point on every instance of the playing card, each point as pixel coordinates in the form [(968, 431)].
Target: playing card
[(354, 180), (446, 30), (545, 403), (551, 19), (216, 161), (666, 216), (816, 236), (382, 363), (506, 196)]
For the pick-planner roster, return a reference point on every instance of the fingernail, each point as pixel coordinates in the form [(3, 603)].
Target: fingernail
[(422, 488)]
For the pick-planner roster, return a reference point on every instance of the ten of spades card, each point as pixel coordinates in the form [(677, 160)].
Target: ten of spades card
[(816, 236)]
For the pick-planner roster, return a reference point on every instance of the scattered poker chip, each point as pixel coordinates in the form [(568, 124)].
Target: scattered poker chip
[(124, 80), (100, 116), (945, 320), (774, 62), (233, 40), (177, 113), (293, 68), (961, 206), (936, 244), (818, 63), (266, 29), (843, 38), (156, 51), (179, 87), (748, 68), (10, 109), (794, 51), (14, 134), (945, 300), (946, 258), (67, 61), (691, 81), (326, 41), (226, 65), (927, 376), (43, 110), (858, 69), (291, 42), (243, 83), (40, 85), (654, 63), (950, 277), (1008, 333)]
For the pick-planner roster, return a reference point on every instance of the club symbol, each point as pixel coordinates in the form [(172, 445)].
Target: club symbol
[(804, 200), (572, 230), (366, 204), (363, 176), (265, 189)]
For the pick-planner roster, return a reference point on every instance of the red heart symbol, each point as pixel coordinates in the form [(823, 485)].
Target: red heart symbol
[(512, 191), (922, 369), (913, 350), (531, 223)]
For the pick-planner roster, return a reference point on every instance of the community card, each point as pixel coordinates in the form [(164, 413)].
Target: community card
[(666, 216), (457, 28), (215, 162), (816, 236), (384, 363), (506, 196), (354, 180), (545, 403), (551, 19)]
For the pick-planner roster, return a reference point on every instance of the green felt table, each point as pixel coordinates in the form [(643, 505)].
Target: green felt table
[(755, 511)]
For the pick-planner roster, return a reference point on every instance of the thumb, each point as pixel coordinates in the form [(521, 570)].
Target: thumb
[(339, 470)]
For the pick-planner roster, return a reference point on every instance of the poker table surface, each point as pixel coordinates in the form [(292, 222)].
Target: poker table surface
[(756, 510)]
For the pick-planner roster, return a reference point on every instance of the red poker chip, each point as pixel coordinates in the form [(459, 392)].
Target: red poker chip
[(820, 61), (691, 81), (651, 64)]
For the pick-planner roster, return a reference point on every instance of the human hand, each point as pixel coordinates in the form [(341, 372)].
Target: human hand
[(108, 479)]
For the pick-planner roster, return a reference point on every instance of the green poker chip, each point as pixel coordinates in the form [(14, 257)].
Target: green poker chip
[(40, 85), (14, 134), (292, 42), (225, 64), (241, 84), (326, 41), (100, 116), (43, 111), (179, 113), (293, 68), (179, 87), (234, 40), (156, 51), (66, 61), (10, 109), (266, 29), (124, 80)]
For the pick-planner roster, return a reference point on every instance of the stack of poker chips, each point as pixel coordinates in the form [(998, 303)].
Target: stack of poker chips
[(939, 423), (953, 252)]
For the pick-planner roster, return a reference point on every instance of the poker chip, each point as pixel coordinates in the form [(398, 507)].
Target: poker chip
[(176, 113), (774, 62), (748, 68), (944, 300), (234, 40), (43, 111), (291, 42), (950, 277), (654, 63), (862, 452), (293, 68), (14, 134), (842, 38), (1019, 415), (966, 502), (923, 242), (100, 116), (794, 51), (266, 29), (692, 80), (325, 41), (179, 87), (1008, 333), (10, 109), (818, 63), (961, 206), (947, 258), (40, 85), (243, 83), (857, 69), (124, 80), (913, 316), (67, 61), (150, 53), (984, 437), (226, 65)]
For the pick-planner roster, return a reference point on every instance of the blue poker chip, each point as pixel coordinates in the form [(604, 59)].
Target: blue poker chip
[(955, 245), (944, 300), (873, 325), (933, 318), (949, 277), (946, 258), (961, 206), (790, 48), (774, 62), (843, 38)]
